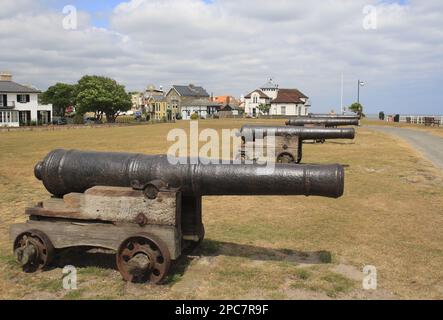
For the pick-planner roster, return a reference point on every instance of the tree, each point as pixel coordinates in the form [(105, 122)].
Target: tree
[(60, 95), (356, 108), (381, 115), (264, 108), (103, 96)]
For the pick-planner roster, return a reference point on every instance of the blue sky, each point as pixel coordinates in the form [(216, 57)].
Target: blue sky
[(99, 9), (233, 46)]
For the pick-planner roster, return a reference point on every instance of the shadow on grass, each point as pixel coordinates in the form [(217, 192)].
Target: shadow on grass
[(214, 248), (86, 257)]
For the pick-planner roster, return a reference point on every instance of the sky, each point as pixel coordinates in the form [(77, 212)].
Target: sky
[(234, 46)]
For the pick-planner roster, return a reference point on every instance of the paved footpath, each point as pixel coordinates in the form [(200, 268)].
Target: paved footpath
[(429, 145)]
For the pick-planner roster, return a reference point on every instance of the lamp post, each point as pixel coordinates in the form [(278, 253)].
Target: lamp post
[(359, 83)]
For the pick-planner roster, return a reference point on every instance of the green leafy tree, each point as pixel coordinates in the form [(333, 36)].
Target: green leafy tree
[(264, 108), (356, 108), (60, 95), (103, 96)]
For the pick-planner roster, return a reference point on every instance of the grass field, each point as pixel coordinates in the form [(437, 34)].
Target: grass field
[(391, 216)]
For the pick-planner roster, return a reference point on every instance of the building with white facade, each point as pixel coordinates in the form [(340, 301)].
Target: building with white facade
[(204, 108), (19, 104), (281, 102)]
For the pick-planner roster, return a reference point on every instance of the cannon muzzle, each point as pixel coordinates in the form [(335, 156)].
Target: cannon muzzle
[(304, 133), (66, 171), (327, 122)]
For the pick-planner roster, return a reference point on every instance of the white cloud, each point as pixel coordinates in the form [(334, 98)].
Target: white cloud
[(233, 46)]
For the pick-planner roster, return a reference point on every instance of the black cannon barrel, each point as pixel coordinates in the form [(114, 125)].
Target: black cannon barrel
[(304, 133), (65, 171), (328, 122), (334, 116)]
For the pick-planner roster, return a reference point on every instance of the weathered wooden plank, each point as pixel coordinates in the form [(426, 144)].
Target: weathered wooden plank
[(70, 234), (126, 208), (56, 204), (73, 200), (114, 204)]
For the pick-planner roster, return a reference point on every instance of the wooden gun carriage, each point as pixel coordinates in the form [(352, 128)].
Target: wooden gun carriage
[(143, 207)]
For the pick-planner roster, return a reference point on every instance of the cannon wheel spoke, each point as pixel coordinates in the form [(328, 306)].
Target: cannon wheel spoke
[(149, 255), (44, 250)]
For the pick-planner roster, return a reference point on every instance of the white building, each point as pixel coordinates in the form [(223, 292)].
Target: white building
[(281, 102), (202, 107), (19, 104)]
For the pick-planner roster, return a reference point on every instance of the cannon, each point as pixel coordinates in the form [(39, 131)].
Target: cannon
[(145, 208), (333, 116), (287, 141), (323, 122)]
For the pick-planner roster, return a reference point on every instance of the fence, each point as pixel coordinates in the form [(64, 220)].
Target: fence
[(425, 120)]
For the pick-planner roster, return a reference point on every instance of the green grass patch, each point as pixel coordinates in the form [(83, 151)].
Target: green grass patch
[(303, 274), (74, 294), (93, 271), (50, 285)]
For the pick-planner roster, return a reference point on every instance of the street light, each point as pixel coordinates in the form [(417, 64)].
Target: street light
[(359, 84)]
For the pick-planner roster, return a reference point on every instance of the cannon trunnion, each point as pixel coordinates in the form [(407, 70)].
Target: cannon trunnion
[(144, 208)]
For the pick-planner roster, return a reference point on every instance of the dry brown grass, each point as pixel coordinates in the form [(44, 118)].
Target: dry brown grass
[(391, 216)]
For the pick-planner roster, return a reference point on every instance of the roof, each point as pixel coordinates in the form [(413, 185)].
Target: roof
[(11, 86), (225, 99), (289, 96), (203, 103), (157, 98), (269, 85), (191, 91), (261, 93), (229, 107)]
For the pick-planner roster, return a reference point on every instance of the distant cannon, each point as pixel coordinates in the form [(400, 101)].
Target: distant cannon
[(334, 116), (323, 122), (143, 207), (287, 141)]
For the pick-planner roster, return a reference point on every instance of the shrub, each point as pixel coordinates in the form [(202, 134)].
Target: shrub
[(78, 119), (194, 116)]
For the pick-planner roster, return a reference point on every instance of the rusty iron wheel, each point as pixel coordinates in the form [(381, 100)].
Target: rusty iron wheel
[(143, 258), (285, 157), (38, 249)]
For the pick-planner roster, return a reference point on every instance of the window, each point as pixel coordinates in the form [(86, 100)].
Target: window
[(283, 110), (23, 98), (254, 99)]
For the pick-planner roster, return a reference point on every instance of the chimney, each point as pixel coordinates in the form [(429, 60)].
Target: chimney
[(5, 76), (228, 100)]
